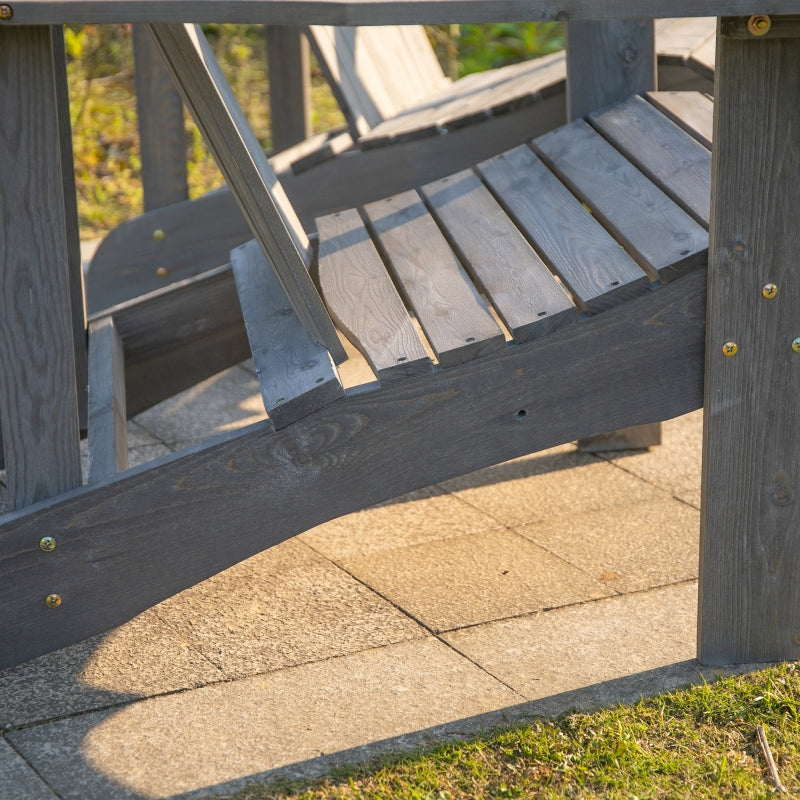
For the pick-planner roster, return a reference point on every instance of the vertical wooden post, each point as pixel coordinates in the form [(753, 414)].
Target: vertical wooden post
[(289, 85), (38, 397), (750, 537), (161, 128), (607, 62)]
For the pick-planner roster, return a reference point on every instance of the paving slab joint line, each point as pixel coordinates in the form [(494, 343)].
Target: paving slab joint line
[(33, 769)]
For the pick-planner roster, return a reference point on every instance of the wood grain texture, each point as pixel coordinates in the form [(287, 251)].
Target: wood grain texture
[(665, 241), (162, 134), (750, 543), (38, 394), (454, 317), (607, 62), (522, 290), (194, 515), (363, 300), (381, 12), (691, 111), (108, 420), (572, 243), (295, 372), (246, 169), (289, 70), (679, 164)]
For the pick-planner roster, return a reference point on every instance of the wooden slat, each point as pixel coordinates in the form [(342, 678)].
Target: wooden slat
[(673, 159), (296, 374), (596, 269), (38, 394), (665, 241), (455, 319), (750, 529), (162, 133), (678, 38), (692, 111), (108, 431), (289, 69), (193, 515), (529, 300), (247, 171), (363, 300), (608, 61)]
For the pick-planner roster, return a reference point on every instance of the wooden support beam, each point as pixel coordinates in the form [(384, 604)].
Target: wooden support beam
[(161, 130), (750, 541), (38, 395), (289, 68), (131, 542)]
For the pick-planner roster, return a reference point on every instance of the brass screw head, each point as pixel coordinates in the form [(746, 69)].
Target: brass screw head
[(53, 600), (47, 544), (759, 24), (730, 349), (159, 235), (796, 344), (769, 290), (162, 272), (6, 12)]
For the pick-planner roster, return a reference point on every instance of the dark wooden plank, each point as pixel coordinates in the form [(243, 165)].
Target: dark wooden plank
[(38, 395), (455, 319), (108, 431), (289, 69), (692, 111), (162, 133), (750, 542), (178, 336), (529, 300), (665, 241), (763, 26), (680, 165), (296, 373), (572, 243), (247, 171), (194, 515), (363, 300), (608, 61)]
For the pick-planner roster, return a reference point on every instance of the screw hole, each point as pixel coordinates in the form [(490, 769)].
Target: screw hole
[(402, 358), (470, 339), (542, 314), (522, 413), (319, 380), (615, 283), (280, 400), (684, 252)]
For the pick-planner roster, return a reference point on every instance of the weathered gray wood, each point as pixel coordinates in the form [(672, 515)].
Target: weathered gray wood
[(635, 364), (523, 291), (608, 61), (295, 372), (691, 111), (665, 241), (455, 319), (38, 395), (108, 431), (672, 158), (750, 545), (289, 69), (178, 336), (162, 135), (363, 300), (381, 12), (246, 169), (595, 268)]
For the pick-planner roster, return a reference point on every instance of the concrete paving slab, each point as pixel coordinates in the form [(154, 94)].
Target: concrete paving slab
[(284, 607), (301, 719), (424, 516), (549, 484), (142, 658), (474, 578), (549, 654), (17, 780), (628, 548)]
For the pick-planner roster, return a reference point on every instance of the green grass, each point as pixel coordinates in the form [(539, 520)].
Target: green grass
[(696, 743)]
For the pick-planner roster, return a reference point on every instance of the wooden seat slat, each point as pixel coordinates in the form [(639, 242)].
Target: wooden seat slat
[(597, 270), (664, 239), (364, 302), (664, 152), (523, 291), (449, 308), (692, 111)]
